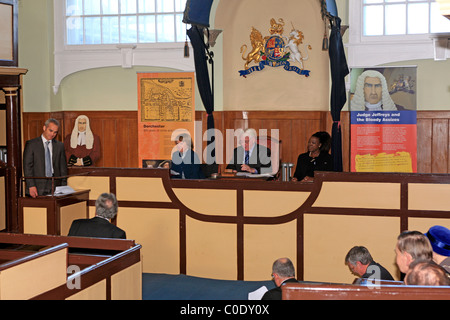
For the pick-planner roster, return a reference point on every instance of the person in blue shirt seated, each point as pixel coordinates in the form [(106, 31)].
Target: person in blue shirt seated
[(185, 162)]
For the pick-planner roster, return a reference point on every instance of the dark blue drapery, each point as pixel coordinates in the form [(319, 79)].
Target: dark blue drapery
[(195, 34), (339, 70)]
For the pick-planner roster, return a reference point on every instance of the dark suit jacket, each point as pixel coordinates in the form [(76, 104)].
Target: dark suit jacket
[(275, 293), (190, 165), (34, 165), (259, 160), (95, 228), (306, 165), (377, 269)]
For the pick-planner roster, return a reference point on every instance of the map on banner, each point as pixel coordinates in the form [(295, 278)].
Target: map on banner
[(166, 100), (165, 105)]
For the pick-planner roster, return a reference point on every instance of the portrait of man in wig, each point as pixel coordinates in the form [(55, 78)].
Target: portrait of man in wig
[(82, 146), (372, 94)]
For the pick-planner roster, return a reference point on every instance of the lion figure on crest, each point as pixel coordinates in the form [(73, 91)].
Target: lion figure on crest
[(257, 42)]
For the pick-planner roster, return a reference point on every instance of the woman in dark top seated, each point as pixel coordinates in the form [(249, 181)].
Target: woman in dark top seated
[(316, 159)]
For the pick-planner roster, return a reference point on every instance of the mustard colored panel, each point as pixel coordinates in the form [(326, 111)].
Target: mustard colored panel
[(423, 224), (127, 284), (70, 213), (264, 244), (97, 185), (272, 203), (209, 201), (211, 250), (423, 196), (374, 195), (35, 220), (328, 238), (141, 189), (95, 292), (31, 278), (158, 231), (2, 204)]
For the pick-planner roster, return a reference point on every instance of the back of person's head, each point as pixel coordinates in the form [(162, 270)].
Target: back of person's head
[(324, 139), (106, 206), (358, 253), (284, 268), (426, 273), (416, 244)]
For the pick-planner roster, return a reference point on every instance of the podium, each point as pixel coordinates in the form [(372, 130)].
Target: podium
[(52, 215)]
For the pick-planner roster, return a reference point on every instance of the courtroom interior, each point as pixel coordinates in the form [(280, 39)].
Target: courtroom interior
[(209, 138)]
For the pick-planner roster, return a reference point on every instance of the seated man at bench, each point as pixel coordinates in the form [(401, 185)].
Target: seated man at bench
[(283, 272), (100, 226), (361, 263)]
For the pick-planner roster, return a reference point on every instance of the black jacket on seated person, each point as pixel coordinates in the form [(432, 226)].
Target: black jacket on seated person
[(276, 293), (96, 227), (376, 271), (306, 165)]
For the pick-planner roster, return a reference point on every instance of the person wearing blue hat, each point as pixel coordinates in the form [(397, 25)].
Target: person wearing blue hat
[(439, 237)]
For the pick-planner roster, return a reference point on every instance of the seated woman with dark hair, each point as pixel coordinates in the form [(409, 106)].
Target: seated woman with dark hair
[(317, 158)]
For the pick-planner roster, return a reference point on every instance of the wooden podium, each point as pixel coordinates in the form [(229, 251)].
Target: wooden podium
[(52, 215)]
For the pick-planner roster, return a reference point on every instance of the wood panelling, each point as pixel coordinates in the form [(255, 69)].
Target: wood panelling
[(118, 133)]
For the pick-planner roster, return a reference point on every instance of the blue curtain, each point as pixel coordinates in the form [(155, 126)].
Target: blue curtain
[(195, 34), (339, 70)]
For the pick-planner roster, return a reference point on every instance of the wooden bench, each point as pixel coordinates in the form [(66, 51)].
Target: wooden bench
[(43, 267), (308, 291)]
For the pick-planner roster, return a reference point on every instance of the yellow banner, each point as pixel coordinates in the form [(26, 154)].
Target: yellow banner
[(165, 105)]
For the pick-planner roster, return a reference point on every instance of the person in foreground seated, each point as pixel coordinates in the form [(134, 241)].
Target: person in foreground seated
[(426, 273), (412, 245), (100, 226), (185, 162), (283, 271), (361, 263), (317, 158), (250, 156), (439, 237)]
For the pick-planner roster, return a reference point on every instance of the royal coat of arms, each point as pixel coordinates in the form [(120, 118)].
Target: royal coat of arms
[(275, 50)]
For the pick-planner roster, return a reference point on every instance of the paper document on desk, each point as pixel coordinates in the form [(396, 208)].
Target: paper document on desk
[(254, 175), (63, 190), (257, 294)]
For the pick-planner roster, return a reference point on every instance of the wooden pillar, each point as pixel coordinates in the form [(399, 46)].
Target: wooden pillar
[(14, 153)]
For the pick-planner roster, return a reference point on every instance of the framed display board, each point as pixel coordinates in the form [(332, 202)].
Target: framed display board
[(9, 34)]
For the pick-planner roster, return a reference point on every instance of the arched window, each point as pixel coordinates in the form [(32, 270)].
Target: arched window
[(103, 33)]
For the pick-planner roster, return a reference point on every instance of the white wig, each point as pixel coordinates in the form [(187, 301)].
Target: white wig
[(89, 134), (358, 101)]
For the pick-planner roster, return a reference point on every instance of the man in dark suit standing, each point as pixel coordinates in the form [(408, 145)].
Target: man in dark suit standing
[(44, 156), (250, 156), (106, 207)]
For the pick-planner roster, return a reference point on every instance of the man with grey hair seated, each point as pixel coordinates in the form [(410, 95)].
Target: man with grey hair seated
[(283, 271), (100, 226), (361, 263)]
